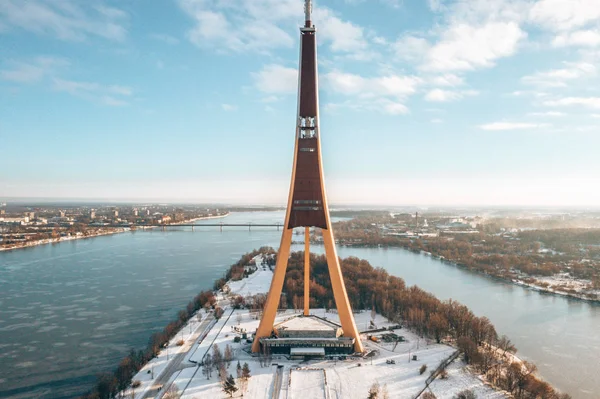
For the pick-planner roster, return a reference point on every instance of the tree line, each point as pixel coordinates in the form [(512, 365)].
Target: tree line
[(110, 383), (448, 321)]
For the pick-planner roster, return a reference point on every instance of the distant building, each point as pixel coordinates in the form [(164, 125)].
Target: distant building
[(31, 215), (62, 214), (135, 212), (116, 213), (2, 212), (147, 212), (93, 214), (17, 220)]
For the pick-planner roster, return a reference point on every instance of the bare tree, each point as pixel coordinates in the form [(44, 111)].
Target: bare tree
[(228, 355), (374, 391), (172, 392), (217, 357), (207, 365), (222, 373)]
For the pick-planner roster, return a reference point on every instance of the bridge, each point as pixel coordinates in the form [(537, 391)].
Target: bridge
[(163, 227)]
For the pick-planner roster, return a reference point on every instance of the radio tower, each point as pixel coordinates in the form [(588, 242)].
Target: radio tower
[(307, 203)]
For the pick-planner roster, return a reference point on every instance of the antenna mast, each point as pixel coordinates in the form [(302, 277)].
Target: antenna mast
[(308, 12)]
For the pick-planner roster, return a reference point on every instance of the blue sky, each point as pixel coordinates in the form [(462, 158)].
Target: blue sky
[(422, 102)]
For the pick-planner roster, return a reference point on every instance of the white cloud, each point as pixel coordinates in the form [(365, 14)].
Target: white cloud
[(276, 79), (520, 93), (113, 102), (384, 93), (496, 126), (32, 71), (466, 47), (447, 80), (229, 107), (435, 5), (106, 94), (242, 28), (595, 115), (559, 77), (66, 20), (439, 95), (264, 25), (393, 108), (343, 36), (588, 102), (565, 14), (387, 86), (161, 37), (583, 38), (548, 113), (437, 120), (270, 99), (411, 48)]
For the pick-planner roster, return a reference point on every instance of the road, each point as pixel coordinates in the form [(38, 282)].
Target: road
[(175, 364), (277, 383)]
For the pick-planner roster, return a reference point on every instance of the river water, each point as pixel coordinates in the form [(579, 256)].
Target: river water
[(71, 310)]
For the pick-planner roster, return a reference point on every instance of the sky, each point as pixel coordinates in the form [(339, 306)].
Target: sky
[(423, 102)]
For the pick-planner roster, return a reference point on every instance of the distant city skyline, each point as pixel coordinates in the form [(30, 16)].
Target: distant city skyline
[(422, 103)]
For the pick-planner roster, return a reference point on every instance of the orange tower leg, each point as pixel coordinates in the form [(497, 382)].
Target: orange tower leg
[(306, 271)]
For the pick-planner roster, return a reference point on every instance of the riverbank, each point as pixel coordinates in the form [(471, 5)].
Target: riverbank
[(546, 285), (45, 241), (352, 378), (398, 376), (525, 282), (101, 232)]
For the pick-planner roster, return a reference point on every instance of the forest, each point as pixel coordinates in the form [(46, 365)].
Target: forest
[(443, 321), (521, 255)]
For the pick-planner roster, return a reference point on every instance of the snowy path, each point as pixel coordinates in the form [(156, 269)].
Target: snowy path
[(175, 364), (307, 384)]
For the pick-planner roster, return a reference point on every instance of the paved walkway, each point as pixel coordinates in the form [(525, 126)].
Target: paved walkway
[(175, 364)]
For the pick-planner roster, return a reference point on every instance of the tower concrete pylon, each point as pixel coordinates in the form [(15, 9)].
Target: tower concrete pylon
[(307, 202)]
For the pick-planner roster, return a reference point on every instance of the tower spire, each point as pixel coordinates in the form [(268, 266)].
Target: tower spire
[(307, 13), (307, 202)]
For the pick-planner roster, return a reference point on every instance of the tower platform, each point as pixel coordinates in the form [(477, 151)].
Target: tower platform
[(308, 337)]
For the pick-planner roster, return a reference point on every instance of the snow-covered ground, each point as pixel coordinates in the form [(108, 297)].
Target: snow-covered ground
[(149, 374), (350, 378), (307, 383), (460, 379), (559, 284), (258, 282)]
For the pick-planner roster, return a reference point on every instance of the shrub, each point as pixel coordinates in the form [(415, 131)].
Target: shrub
[(180, 342), (428, 395), (466, 394), (136, 383), (422, 369), (237, 339)]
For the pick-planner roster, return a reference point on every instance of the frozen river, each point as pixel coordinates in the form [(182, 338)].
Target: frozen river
[(71, 310)]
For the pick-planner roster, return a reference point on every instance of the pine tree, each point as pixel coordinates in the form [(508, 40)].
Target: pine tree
[(229, 386), (238, 370), (246, 371)]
